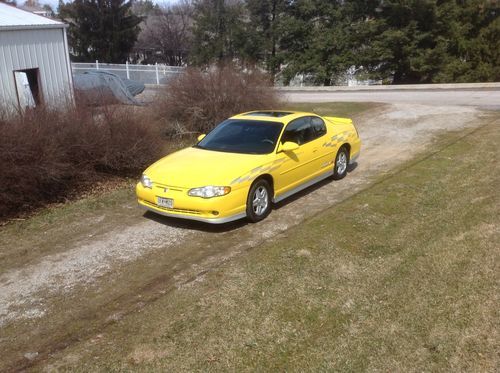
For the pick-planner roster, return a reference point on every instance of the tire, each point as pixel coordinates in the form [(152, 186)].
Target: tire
[(259, 201), (341, 163)]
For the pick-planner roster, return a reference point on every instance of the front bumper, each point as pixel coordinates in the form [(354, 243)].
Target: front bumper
[(226, 219), (217, 210)]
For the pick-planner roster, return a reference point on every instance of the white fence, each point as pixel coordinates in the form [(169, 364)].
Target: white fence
[(161, 74), (147, 74)]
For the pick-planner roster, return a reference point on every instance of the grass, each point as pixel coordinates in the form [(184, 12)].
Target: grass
[(402, 276), (338, 109)]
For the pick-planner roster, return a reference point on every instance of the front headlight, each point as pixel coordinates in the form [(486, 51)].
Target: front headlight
[(146, 182), (209, 191)]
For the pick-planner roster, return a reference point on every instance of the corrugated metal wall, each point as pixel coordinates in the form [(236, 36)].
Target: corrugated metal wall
[(44, 49)]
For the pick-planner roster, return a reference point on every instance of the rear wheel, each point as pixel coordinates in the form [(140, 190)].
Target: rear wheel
[(259, 201), (341, 163)]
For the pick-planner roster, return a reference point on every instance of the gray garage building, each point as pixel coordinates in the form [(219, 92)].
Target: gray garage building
[(34, 61)]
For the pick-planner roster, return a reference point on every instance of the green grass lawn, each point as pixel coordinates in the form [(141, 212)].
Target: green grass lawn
[(402, 276)]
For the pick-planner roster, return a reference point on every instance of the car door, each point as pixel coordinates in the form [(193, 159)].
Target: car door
[(301, 165), (324, 156)]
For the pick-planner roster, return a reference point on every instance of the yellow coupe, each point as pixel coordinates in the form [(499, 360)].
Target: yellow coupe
[(247, 163)]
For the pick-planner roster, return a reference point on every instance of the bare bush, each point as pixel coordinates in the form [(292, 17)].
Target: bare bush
[(46, 155), (196, 101)]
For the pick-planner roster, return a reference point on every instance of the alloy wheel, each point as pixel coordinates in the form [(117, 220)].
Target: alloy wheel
[(260, 200)]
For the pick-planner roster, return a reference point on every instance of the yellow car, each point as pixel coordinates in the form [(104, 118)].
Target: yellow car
[(247, 163)]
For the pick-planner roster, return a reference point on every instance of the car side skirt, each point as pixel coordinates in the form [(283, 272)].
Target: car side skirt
[(307, 184), (226, 219)]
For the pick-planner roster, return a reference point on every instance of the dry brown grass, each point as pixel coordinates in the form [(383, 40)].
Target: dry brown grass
[(196, 101)]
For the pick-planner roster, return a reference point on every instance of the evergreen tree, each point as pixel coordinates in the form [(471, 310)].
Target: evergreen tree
[(400, 40), (473, 43), (218, 30), (265, 32), (104, 30), (320, 39), (425, 41)]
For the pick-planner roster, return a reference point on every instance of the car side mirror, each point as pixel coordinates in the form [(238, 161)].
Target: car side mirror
[(289, 146), (201, 137)]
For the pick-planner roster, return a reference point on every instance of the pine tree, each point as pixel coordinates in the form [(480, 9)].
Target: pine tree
[(218, 31), (319, 38), (428, 41), (265, 31), (104, 30), (473, 43)]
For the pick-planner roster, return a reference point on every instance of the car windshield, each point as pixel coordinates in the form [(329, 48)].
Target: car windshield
[(242, 136)]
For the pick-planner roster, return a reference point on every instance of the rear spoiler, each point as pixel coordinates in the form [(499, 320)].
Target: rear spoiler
[(337, 120)]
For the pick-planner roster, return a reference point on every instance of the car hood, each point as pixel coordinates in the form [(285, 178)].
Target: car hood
[(195, 167)]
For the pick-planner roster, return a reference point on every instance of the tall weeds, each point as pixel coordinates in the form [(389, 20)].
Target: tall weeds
[(45, 155)]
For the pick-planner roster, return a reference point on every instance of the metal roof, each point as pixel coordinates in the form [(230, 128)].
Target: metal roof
[(12, 18)]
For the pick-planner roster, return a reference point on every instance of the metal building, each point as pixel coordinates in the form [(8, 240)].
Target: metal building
[(34, 61)]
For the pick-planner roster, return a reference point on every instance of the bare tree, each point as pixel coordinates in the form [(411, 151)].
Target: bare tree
[(166, 35)]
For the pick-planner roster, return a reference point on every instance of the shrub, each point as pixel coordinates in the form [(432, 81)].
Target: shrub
[(46, 155), (196, 101)]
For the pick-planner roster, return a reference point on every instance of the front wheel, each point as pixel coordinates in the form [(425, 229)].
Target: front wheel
[(341, 163), (259, 201)]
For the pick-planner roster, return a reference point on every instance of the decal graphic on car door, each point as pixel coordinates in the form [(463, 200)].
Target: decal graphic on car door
[(323, 157)]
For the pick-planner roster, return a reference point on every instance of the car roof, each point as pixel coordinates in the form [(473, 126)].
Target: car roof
[(282, 116)]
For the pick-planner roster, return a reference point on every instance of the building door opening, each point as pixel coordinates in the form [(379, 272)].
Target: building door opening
[(28, 88)]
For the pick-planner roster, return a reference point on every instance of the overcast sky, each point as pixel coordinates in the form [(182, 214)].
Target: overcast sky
[(53, 3)]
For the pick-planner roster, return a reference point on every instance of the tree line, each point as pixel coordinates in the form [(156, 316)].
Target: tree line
[(395, 41)]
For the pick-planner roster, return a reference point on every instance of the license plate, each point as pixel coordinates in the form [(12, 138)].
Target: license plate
[(165, 202)]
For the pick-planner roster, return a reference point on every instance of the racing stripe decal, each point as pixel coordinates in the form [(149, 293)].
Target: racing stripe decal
[(338, 139), (268, 167)]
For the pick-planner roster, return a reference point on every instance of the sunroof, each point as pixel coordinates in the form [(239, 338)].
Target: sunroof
[(275, 114)]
